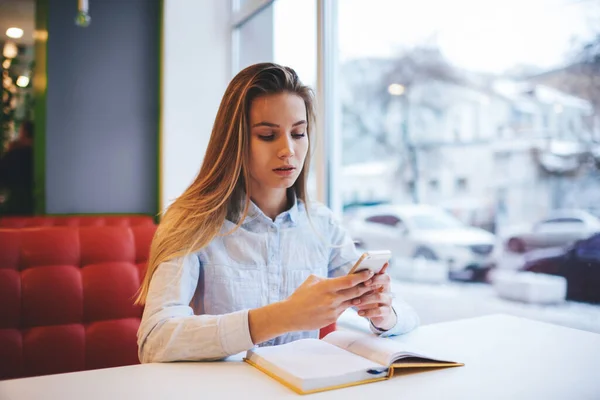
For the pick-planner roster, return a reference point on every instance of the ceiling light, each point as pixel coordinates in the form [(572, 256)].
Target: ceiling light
[(10, 50), (83, 18), (14, 33), (40, 35), (396, 89), (22, 81)]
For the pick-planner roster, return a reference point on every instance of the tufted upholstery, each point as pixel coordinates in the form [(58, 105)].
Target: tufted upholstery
[(327, 330), (66, 297), (76, 220)]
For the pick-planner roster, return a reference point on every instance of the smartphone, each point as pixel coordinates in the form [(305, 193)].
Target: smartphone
[(372, 260)]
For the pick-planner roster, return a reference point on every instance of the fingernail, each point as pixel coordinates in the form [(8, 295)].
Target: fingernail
[(356, 301), (361, 313)]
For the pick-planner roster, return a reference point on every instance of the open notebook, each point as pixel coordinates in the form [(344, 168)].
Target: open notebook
[(339, 360)]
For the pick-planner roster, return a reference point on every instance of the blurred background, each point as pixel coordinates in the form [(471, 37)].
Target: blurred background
[(464, 136)]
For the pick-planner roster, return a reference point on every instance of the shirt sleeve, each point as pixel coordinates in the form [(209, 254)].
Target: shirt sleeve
[(343, 256), (169, 330), (407, 320)]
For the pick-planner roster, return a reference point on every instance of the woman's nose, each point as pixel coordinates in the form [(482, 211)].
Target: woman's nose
[(287, 149)]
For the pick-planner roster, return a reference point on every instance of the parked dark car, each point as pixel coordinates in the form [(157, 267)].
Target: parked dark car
[(578, 263)]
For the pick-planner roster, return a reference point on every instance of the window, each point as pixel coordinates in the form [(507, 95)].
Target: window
[(502, 157), (440, 92), (388, 220), (241, 4), (461, 185), (563, 221), (589, 249), (433, 193), (435, 221), (269, 31), (434, 185), (561, 225), (255, 39), (271, 34), (436, 96)]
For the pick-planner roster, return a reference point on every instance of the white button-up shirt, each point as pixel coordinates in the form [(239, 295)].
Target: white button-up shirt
[(197, 306)]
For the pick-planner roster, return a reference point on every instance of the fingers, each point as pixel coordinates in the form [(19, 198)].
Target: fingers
[(379, 283), (354, 292), (376, 298), (367, 283), (381, 280), (382, 312), (385, 267), (349, 281), (344, 306)]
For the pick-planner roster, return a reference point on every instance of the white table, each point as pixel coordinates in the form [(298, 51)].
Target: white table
[(506, 358)]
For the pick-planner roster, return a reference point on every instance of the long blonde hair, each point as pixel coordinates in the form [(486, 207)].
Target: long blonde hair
[(221, 188)]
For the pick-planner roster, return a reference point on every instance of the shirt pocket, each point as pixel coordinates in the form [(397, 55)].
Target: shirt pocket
[(230, 288)]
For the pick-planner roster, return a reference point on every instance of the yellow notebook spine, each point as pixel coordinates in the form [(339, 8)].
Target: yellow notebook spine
[(426, 365), (420, 366)]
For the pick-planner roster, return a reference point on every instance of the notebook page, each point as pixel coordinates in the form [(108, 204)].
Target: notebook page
[(381, 350), (312, 363)]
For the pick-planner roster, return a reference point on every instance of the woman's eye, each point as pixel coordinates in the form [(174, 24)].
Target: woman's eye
[(266, 138), (298, 135)]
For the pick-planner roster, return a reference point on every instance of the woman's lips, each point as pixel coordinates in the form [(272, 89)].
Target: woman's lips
[(284, 171)]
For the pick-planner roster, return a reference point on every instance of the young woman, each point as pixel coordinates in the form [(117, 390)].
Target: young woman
[(241, 258)]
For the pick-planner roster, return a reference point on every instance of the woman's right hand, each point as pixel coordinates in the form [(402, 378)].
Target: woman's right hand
[(319, 302)]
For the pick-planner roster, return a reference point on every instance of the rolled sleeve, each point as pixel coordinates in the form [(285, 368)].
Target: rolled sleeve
[(234, 332), (407, 320)]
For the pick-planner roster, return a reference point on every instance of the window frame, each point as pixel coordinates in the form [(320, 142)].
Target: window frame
[(326, 156), (239, 16)]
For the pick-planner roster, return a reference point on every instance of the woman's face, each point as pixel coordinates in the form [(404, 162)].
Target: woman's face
[(278, 140)]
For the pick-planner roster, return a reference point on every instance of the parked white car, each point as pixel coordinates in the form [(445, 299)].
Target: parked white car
[(421, 231)]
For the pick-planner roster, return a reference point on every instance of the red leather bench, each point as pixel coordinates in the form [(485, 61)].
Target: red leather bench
[(66, 298), (75, 220)]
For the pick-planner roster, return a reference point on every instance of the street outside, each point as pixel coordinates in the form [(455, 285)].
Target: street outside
[(457, 300)]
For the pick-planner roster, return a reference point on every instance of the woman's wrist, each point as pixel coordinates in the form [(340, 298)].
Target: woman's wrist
[(389, 322), (269, 321)]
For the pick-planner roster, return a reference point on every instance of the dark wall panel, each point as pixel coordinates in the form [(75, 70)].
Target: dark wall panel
[(102, 108)]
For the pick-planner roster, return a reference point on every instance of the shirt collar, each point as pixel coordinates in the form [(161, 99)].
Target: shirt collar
[(291, 214), (293, 211)]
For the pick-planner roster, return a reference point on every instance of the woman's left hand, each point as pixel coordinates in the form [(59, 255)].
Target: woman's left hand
[(376, 305)]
